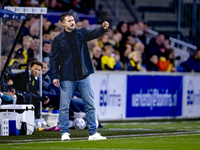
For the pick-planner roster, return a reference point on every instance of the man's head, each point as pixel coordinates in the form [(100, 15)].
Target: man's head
[(53, 33), (85, 23), (34, 29), (44, 69), (139, 47), (79, 24), (35, 68), (160, 39), (26, 42), (68, 21), (97, 51), (47, 46), (108, 50)]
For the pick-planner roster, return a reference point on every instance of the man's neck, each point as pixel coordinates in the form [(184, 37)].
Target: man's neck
[(68, 30)]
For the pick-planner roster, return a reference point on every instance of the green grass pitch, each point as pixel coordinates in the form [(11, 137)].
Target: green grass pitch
[(129, 135)]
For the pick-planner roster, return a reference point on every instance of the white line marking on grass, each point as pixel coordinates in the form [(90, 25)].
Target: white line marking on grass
[(71, 148), (187, 127), (115, 136), (138, 123)]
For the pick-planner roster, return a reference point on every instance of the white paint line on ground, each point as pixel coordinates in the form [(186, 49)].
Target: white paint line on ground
[(116, 136)]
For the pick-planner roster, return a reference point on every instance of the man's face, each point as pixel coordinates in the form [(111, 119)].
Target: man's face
[(34, 31), (97, 51), (44, 69), (47, 48), (35, 70), (53, 34), (26, 44), (69, 23)]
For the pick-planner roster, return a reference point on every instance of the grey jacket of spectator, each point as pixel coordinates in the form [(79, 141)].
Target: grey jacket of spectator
[(62, 56)]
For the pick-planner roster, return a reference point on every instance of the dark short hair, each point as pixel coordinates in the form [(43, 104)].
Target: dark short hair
[(62, 17), (47, 41), (36, 63)]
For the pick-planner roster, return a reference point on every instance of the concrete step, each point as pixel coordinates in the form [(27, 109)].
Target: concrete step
[(161, 3), (159, 16)]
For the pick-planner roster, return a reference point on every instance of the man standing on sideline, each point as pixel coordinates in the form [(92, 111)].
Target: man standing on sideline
[(72, 65)]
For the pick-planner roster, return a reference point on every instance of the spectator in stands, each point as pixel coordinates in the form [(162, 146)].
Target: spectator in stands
[(107, 61), (16, 97), (45, 36), (7, 42), (96, 59), (193, 62), (134, 61), (11, 31), (110, 33), (48, 88), (35, 46), (103, 40), (4, 28), (170, 54), (166, 60), (79, 24), (86, 23), (26, 82), (14, 3), (140, 47), (152, 64), (29, 21), (26, 3), (134, 31), (15, 63), (122, 27), (26, 50), (141, 32), (156, 46), (44, 3), (55, 5), (78, 6), (115, 39), (16, 24), (53, 33), (46, 49), (34, 29), (119, 65), (127, 51), (46, 26)]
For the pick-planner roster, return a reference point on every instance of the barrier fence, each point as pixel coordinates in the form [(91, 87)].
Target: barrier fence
[(141, 96)]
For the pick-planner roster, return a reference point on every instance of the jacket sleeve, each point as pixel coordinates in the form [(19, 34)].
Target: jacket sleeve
[(54, 61), (93, 34)]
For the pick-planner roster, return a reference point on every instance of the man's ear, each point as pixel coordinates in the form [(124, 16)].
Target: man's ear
[(62, 24)]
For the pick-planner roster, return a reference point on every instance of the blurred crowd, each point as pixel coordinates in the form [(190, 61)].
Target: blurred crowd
[(81, 6), (124, 48)]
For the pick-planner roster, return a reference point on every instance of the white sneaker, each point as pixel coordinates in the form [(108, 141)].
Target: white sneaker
[(65, 137), (97, 136)]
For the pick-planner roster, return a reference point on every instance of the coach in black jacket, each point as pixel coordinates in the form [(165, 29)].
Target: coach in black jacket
[(26, 82), (71, 61)]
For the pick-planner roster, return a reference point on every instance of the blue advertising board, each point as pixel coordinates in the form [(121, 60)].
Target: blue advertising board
[(154, 96)]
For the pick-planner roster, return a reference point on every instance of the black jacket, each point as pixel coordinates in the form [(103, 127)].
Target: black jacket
[(21, 82), (61, 53)]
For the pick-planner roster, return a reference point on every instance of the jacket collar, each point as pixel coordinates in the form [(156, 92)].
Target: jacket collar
[(64, 36)]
